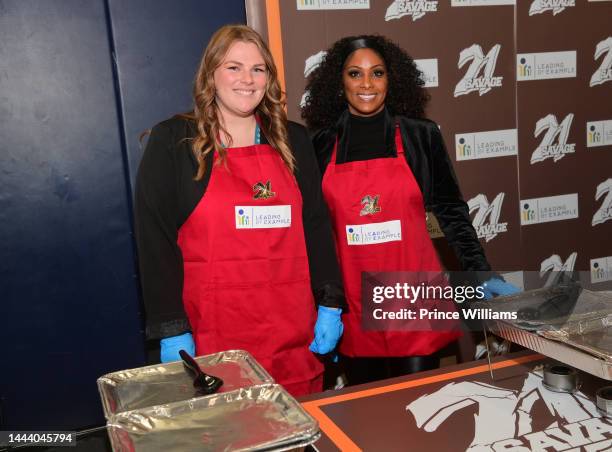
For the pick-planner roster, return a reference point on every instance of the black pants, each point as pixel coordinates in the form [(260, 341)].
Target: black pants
[(368, 369)]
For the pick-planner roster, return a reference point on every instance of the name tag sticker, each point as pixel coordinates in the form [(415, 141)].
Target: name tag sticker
[(372, 233), (262, 217)]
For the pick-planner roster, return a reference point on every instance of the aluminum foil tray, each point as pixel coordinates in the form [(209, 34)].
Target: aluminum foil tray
[(263, 417), (593, 335), (165, 383), (553, 308), (560, 351)]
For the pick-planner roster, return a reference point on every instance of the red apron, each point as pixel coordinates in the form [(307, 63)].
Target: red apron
[(399, 198), (249, 288)]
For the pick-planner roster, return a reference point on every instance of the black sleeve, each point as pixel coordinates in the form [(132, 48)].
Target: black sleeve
[(452, 211), (323, 141), (156, 211), (324, 270)]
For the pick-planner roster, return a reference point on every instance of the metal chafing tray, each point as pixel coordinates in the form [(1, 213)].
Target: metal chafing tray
[(263, 417), (560, 351), (592, 335), (160, 384), (579, 335)]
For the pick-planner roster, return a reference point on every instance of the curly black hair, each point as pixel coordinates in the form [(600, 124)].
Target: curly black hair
[(325, 100)]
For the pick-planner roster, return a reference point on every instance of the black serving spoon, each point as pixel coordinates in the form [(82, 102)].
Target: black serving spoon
[(559, 304), (206, 384)]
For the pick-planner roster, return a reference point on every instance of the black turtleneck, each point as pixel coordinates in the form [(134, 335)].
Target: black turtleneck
[(366, 138)]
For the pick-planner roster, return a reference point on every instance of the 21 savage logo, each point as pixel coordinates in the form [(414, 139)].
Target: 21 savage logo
[(483, 209), (554, 131), (311, 63), (604, 213), (604, 71), (553, 266), (505, 418), (415, 8), (480, 74), (556, 6)]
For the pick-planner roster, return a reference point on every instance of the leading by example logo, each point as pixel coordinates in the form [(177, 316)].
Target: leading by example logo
[(480, 74), (373, 233), (554, 131), (603, 73), (433, 227), (604, 213), (332, 4), (480, 204), (429, 70), (599, 133), (601, 269), (556, 6), (545, 65), (415, 8), (262, 217), (551, 208), (482, 145)]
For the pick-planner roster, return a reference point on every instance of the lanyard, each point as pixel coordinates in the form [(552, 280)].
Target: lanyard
[(257, 134), (257, 137)]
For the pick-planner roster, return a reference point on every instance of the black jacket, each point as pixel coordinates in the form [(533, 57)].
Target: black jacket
[(165, 196), (428, 159)]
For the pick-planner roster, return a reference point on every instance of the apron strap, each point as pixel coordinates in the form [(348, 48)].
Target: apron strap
[(399, 146)]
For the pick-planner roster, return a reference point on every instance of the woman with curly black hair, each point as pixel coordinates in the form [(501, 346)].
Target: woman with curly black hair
[(383, 166)]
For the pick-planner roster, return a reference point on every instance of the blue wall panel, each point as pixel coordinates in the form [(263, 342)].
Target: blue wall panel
[(158, 46), (79, 80), (69, 310)]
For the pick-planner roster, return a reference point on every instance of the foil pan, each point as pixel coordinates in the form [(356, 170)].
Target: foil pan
[(263, 417), (160, 384), (567, 313), (560, 351), (553, 308), (593, 335)]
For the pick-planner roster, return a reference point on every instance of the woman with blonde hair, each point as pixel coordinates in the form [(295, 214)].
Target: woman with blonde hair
[(235, 244)]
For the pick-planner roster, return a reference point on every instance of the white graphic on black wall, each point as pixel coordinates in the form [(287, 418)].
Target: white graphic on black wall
[(480, 205), (415, 8), (604, 213), (505, 417), (604, 71), (480, 74), (548, 148), (556, 6), (311, 63), (553, 266)]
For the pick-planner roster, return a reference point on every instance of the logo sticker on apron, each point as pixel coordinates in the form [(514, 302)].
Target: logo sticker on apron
[(370, 205), (372, 233), (263, 191), (262, 217)]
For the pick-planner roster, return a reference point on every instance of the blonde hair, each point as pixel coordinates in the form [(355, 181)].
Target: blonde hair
[(271, 113)]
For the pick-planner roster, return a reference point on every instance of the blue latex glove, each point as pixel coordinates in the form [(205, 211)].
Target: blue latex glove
[(496, 286), (328, 330), (170, 347)]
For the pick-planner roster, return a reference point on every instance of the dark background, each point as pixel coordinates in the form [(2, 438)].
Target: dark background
[(79, 81)]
